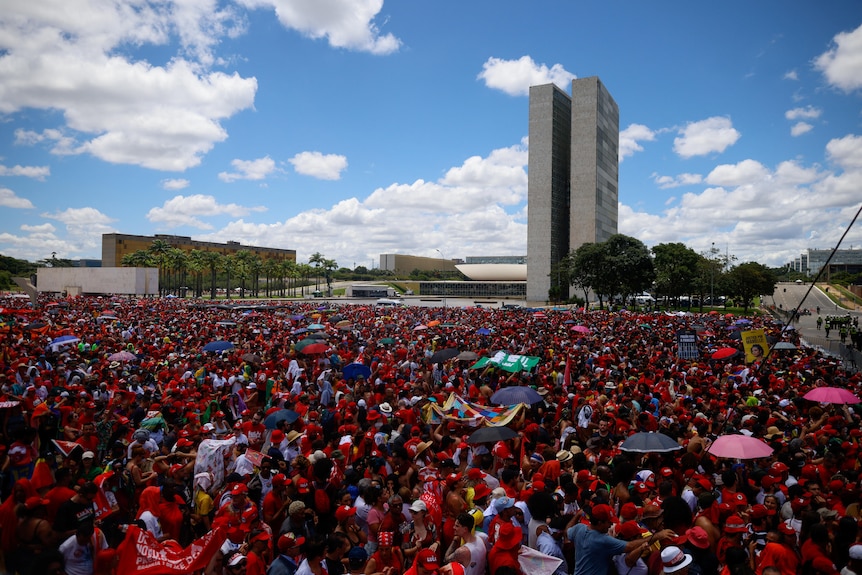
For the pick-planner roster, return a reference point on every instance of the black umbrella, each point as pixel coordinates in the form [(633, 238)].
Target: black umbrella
[(286, 415), (492, 435), (649, 442), (444, 354), (516, 394)]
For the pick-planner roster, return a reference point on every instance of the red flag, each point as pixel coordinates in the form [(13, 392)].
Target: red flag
[(567, 375), (66, 447), (256, 457), (142, 554)]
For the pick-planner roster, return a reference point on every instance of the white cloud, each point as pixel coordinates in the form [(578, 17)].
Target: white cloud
[(745, 172), (69, 56), (41, 229), (8, 199), (757, 213), (705, 137), (84, 229), (800, 128), (36, 172), (249, 170), (842, 63), (846, 152), (514, 77), (318, 165), (343, 23), (479, 203), (631, 137), (175, 184), (188, 211), (791, 75), (686, 179), (806, 113)]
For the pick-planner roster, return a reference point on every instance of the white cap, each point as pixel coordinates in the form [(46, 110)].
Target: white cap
[(88, 455)]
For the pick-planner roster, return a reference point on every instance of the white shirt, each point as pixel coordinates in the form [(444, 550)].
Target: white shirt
[(79, 558)]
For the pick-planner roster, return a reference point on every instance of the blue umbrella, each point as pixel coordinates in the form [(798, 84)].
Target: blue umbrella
[(218, 346), (287, 415), (516, 394), (65, 339), (483, 331), (354, 370), (299, 331), (316, 326)]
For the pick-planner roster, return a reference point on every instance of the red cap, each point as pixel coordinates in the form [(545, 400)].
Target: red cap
[(601, 512), (344, 511), (428, 559)]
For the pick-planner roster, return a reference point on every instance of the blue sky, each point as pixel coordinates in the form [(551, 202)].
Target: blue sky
[(359, 127)]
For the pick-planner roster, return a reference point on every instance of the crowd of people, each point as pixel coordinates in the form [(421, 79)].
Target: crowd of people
[(178, 436)]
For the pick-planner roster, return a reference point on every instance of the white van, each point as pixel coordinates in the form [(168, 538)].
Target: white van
[(386, 302)]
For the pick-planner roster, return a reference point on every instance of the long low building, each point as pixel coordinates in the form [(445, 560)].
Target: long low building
[(494, 272), (98, 281)]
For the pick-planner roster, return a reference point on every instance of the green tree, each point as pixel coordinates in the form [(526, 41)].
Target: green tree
[(747, 280), (584, 265), (212, 262), (317, 260), (305, 271), (627, 267), (328, 267), (676, 267), (138, 259), (196, 266)]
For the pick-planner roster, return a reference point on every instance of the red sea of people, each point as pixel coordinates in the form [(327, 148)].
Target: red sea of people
[(162, 436)]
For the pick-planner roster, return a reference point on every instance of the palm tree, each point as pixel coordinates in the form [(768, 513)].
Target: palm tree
[(177, 261), (196, 265), (271, 268), (255, 268), (138, 259), (328, 267), (159, 249), (212, 261), (305, 272), (317, 259)]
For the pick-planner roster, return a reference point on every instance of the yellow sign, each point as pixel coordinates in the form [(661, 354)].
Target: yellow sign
[(754, 343)]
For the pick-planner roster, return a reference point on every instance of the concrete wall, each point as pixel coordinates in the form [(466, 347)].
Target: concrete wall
[(73, 281)]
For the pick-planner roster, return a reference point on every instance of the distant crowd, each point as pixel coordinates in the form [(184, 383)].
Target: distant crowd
[(179, 436)]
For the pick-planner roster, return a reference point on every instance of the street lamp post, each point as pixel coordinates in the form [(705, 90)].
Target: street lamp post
[(445, 287), (712, 277)]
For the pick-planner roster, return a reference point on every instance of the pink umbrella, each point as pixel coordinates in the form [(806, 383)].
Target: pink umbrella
[(739, 447), (581, 329), (831, 395)]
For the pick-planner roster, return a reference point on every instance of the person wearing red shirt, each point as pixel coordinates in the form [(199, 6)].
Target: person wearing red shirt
[(815, 552), (258, 550), (276, 502), (88, 440), (504, 553)]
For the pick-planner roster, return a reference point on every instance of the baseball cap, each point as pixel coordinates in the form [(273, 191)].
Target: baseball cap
[(344, 511), (601, 512), (427, 559)]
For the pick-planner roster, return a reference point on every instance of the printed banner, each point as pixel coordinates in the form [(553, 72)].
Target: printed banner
[(510, 363), (142, 554), (756, 347), (686, 344), (458, 409)]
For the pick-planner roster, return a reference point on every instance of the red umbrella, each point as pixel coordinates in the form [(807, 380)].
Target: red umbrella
[(724, 352), (831, 395), (739, 447), (315, 348)]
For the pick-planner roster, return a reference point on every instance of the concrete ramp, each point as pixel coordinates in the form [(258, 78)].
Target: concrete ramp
[(29, 289)]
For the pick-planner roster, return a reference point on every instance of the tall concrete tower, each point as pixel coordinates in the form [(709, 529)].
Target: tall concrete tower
[(573, 175)]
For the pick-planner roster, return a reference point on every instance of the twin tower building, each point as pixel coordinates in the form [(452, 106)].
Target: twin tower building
[(573, 175)]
